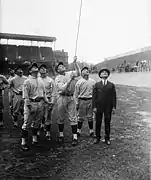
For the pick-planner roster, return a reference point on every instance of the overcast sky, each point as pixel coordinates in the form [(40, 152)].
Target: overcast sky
[(108, 27)]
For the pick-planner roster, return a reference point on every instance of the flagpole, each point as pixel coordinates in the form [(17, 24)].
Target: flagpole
[(76, 47)]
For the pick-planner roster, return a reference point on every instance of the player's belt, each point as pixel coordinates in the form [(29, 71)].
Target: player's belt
[(19, 94), (84, 98), (36, 99), (66, 94)]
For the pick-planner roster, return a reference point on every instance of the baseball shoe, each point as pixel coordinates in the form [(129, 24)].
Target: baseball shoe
[(60, 139), (78, 134), (48, 137), (92, 134), (1, 125), (25, 147), (16, 124), (74, 142), (96, 141), (108, 142), (35, 143)]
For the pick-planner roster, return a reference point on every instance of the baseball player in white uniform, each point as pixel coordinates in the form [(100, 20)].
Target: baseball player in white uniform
[(16, 85), (34, 95), (83, 97), (65, 85), (3, 83), (51, 95), (10, 91)]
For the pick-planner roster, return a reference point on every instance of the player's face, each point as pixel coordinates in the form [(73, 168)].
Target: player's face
[(104, 74), (34, 71), (61, 68), (43, 72), (19, 72), (85, 72), (12, 73)]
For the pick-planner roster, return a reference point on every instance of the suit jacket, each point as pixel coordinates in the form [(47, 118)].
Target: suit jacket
[(104, 96)]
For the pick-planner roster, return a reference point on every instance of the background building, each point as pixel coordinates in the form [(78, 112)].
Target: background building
[(131, 58), (61, 55)]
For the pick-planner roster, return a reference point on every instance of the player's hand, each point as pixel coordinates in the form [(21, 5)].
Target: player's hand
[(72, 76), (75, 59), (77, 107), (113, 111), (94, 110)]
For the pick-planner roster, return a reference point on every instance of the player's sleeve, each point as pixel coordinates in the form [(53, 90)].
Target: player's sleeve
[(60, 86), (53, 99), (5, 81), (77, 91), (26, 90)]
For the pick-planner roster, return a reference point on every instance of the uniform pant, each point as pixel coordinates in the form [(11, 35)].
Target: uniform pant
[(32, 118), (18, 105), (47, 114), (107, 122), (11, 96), (85, 110), (66, 108)]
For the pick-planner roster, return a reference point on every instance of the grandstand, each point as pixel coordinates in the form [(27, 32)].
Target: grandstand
[(13, 55), (130, 57)]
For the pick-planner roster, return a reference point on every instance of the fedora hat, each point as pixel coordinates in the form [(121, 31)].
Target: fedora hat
[(104, 69)]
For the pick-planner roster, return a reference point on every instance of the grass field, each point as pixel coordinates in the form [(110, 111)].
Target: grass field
[(128, 157)]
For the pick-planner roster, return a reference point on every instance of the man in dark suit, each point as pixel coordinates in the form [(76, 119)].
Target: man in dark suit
[(103, 102)]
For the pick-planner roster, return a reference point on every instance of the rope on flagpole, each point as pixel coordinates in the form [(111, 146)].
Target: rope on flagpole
[(76, 47)]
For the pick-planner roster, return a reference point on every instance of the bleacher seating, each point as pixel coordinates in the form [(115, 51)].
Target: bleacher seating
[(11, 52), (3, 51), (47, 53), (34, 53), (24, 52)]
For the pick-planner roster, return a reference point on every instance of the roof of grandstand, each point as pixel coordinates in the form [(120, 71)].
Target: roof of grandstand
[(27, 37), (129, 53)]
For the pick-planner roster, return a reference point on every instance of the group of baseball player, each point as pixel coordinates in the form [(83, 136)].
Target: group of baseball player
[(73, 95)]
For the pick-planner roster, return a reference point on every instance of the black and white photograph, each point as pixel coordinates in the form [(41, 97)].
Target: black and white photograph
[(75, 89)]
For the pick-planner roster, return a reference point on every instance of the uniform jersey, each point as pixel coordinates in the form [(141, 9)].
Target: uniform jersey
[(84, 88), (33, 88), (50, 88), (17, 83), (3, 82), (9, 81), (10, 78), (61, 82)]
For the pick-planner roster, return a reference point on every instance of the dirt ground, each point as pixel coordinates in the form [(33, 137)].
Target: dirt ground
[(128, 157)]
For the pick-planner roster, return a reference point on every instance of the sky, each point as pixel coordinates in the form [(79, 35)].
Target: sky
[(108, 27)]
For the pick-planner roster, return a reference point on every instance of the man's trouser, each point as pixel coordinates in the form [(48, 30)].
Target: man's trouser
[(32, 117), (47, 113), (18, 105), (66, 108), (107, 123), (85, 109)]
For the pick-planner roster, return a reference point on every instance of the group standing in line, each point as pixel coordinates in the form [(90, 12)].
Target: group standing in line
[(73, 95)]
